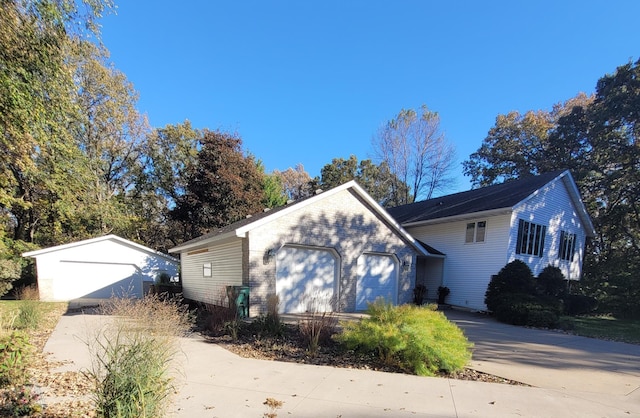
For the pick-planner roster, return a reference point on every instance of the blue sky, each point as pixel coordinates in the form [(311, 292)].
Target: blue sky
[(308, 81)]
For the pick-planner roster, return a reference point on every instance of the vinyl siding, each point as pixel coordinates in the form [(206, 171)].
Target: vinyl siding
[(226, 270), (552, 207), (468, 267)]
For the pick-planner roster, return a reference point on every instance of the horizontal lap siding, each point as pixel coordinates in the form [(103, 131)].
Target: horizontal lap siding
[(226, 270), (552, 207), (467, 267)]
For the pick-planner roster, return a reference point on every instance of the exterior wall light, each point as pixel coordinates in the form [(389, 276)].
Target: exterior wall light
[(406, 265)]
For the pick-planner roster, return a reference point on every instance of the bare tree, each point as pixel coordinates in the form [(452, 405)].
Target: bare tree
[(295, 182), (417, 153)]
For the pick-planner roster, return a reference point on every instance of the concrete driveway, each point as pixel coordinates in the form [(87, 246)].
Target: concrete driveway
[(213, 382), (551, 359)]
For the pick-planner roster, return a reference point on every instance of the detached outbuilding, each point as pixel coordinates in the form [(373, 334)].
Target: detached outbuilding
[(99, 268), (338, 249)]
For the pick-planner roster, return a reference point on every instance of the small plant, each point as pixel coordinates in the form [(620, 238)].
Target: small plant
[(13, 349), (270, 324), (416, 339), (419, 294), (443, 292), (233, 328), (20, 401), (29, 315), (273, 405), (318, 323)]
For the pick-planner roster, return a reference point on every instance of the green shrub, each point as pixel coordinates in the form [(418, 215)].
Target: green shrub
[(14, 347), (551, 282), (516, 277), (417, 339), (526, 309)]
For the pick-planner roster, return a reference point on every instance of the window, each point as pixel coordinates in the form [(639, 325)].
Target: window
[(567, 246), (206, 269), (530, 238), (475, 232)]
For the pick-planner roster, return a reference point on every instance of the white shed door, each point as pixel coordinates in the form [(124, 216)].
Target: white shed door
[(377, 277), (96, 281), (305, 279)]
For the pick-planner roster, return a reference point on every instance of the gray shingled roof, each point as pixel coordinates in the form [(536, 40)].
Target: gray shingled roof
[(499, 196)]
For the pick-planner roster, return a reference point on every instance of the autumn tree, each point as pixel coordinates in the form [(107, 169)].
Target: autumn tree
[(296, 182), (110, 132), (417, 153), (519, 145), (224, 186)]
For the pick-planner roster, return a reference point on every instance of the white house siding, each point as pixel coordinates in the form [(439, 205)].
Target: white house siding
[(226, 270), (467, 267), (341, 222), (552, 207), (98, 268)]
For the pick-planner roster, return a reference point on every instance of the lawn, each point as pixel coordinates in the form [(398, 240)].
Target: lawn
[(608, 328)]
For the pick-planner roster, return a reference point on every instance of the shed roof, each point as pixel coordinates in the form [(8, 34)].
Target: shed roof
[(90, 241)]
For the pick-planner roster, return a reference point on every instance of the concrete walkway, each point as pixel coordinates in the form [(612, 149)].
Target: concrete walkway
[(216, 383)]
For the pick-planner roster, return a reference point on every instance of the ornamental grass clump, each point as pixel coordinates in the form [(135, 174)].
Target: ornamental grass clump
[(134, 355), (417, 339)]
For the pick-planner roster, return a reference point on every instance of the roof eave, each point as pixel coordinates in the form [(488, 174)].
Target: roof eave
[(206, 242), (461, 217)]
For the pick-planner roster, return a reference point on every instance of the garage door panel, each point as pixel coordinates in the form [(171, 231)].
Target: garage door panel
[(97, 280), (377, 277), (305, 276)]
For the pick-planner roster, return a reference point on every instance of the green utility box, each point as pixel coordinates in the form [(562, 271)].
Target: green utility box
[(239, 300)]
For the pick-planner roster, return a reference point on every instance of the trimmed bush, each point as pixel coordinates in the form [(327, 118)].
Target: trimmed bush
[(417, 339), (551, 282), (516, 277)]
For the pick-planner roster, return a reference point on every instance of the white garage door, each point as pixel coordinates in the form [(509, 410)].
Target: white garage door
[(305, 279), (377, 277), (96, 281)]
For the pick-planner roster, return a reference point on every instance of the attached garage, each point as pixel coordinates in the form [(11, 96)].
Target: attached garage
[(99, 268), (333, 251), (377, 277), (306, 279)]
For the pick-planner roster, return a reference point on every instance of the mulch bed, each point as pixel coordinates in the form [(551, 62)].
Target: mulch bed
[(292, 347)]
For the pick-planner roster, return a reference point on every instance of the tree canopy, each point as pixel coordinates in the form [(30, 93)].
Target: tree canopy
[(224, 186), (377, 180)]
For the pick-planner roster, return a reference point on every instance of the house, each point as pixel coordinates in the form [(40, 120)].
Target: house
[(540, 220), (99, 268), (335, 250)]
